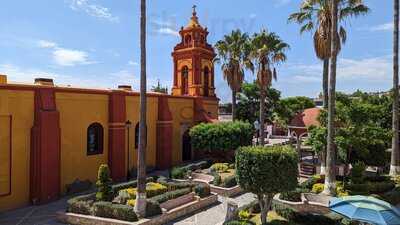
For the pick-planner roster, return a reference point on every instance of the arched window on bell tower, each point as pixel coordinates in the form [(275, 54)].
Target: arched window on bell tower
[(185, 80), (206, 81)]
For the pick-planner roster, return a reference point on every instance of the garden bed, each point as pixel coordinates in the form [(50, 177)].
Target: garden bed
[(183, 210)]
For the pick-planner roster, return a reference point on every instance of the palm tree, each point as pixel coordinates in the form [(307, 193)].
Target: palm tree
[(232, 53), (267, 51), (140, 206), (395, 161), (315, 15)]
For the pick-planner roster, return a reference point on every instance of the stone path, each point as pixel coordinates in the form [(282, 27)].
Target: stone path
[(46, 214), (214, 214)]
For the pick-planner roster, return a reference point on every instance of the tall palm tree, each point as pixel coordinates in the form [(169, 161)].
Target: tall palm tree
[(232, 53), (268, 50), (315, 15), (140, 206), (330, 178), (395, 161)]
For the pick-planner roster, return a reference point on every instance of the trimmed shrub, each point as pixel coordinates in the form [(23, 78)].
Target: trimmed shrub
[(152, 208), (130, 184), (220, 167), (299, 218), (202, 190), (393, 196), (171, 195), (318, 188), (309, 183), (114, 211), (174, 185), (239, 222), (217, 179), (380, 187), (178, 173), (131, 202), (266, 171), (104, 188), (229, 182), (292, 196), (357, 175), (244, 215), (222, 136), (152, 189)]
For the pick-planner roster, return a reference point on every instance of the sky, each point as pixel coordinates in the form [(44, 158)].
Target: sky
[(95, 43)]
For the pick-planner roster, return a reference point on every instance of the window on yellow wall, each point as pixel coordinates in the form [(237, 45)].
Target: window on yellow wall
[(95, 139)]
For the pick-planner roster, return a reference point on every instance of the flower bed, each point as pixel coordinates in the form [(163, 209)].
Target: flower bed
[(162, 196)]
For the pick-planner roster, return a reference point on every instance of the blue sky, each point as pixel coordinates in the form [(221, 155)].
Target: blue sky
[(95, 43)]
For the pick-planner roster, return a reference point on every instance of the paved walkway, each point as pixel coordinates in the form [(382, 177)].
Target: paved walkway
[(46, 214)]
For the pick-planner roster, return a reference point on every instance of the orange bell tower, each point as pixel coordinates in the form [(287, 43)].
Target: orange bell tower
[(193, 61)]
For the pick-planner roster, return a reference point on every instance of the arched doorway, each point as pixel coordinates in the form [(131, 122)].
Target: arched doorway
[(185, 80), (206, 80), (186, 147)]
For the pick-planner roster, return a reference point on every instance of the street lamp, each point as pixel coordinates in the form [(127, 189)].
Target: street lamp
[(128, 125)]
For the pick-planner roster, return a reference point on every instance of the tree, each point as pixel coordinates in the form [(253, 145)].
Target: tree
[(159, 88), (395, 161), (266, 171), (289, 107), (316, 15), (232, 53), (330, 177), (140, 206), (248, 106), (267, 50)]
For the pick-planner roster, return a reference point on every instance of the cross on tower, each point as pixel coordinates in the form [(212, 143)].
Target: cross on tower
[(194, 9)]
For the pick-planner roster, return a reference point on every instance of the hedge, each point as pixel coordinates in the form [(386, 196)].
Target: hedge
[(114, 211), (152, 208), (229, 181), (179, 172), (174, 185), (202, 190), (130, 184), (292, 196), (170, 195), (81, 204), (270, 169), (222, 136)]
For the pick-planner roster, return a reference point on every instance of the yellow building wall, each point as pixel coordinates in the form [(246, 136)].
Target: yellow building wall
[(20, 106), (77, 112), (132, 114), (211, 106), (182, 114)]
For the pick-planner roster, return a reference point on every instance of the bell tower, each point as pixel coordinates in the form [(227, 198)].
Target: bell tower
[(193, 61)]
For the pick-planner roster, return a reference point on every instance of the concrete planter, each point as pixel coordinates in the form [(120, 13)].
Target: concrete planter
[(183, 210), (227, 192), (310, 203)]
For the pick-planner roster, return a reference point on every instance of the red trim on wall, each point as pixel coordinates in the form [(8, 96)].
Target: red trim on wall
[(116, 135), (164, 135), (45, 164), (10, 166)]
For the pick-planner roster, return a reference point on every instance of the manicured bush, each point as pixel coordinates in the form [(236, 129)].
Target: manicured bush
[(217, 179), (229, 181), (309, 183), (396, 180), (300, 218), (131, 202), (318, 188), (380, 187), (178, 173), (244, 215), (152, 189), (292, 196), (202, 190), (266, 171), (219, 167), (357, 174), (152, 208), (174, 185), (239, 222), (104, 188), (222, 136), (171, 195), (393, 196), (114, 211), (130, 184)]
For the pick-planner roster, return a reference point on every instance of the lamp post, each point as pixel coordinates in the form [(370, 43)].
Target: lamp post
[(128, 125)]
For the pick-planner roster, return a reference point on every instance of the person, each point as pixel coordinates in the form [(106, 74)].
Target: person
[(257, 128)]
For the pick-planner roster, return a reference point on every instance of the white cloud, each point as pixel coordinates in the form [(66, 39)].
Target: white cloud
[(376, 69), (382, 27), (68, 57), (46, 44), (92, 9), (252, 16), (168, 31), (279, 3)]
